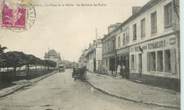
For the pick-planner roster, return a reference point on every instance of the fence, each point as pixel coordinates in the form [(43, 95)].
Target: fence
[(9, 75)]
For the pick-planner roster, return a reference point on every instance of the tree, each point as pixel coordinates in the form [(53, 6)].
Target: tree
[(2, 61), (2, 49), (49, 64), (15, 59)]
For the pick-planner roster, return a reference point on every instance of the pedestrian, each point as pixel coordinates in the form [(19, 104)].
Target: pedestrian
[(118, 70), (123, 71), (126, 72)]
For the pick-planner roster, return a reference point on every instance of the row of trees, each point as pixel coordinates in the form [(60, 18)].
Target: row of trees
[(16, 59)]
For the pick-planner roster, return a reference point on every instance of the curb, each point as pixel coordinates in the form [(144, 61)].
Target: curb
[(129, 99), (13, 91), (26, 85)]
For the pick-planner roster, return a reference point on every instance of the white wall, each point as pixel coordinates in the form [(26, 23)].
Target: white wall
[(159, 8)]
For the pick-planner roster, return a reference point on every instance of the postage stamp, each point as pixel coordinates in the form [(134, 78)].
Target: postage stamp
[(18, 15)]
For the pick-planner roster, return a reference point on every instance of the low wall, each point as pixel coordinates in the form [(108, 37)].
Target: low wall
[(20, 75), (168, 83)]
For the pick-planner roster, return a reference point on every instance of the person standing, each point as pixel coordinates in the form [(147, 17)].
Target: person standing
[(118, 70), (123, 71), (126, 70)]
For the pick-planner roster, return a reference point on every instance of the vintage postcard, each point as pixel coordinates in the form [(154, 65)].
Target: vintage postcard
[(90, 55)]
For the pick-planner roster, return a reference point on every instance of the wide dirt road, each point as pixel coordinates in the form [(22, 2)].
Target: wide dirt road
[(60, 92)]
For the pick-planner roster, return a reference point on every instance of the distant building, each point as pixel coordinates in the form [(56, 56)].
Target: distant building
[(82, 59), (109, 48), (98, 55), (52, 55), (92, 56)]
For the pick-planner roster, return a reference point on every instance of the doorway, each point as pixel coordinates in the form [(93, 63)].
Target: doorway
[(140, 65)]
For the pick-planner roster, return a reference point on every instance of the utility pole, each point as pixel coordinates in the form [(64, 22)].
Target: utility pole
[(96, 32)]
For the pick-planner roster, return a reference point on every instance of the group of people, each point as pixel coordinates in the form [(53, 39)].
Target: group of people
[(123, 71)]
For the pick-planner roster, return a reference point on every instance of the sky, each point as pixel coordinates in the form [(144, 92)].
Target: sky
[(67, 29)]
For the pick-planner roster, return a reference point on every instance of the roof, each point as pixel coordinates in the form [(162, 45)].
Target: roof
[(147, 6), (51, 52)]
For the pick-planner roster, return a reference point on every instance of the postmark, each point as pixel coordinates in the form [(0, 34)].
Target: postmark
[(17, 16)]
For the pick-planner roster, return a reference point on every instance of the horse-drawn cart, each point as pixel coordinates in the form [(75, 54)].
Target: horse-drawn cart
[(79, 73)]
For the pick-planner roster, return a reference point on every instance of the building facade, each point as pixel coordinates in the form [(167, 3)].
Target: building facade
[(109, 48), (98, 52), (83, 59), (146, 45), (91, 58), (149, 41), (94, 56)]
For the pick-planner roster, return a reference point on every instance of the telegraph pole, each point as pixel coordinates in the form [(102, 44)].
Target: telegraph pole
[(96, 32)]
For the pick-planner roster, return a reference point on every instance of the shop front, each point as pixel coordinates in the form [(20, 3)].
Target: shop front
[(123, 58), (109, 62), (155, 59)]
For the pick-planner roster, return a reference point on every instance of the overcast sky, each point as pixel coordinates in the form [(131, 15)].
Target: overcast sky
[(68, 30)]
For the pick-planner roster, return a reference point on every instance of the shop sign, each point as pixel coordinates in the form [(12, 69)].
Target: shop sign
[(152, 45), (155, 45)]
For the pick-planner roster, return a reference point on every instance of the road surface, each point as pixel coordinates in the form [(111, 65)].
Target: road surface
[(61, 92)]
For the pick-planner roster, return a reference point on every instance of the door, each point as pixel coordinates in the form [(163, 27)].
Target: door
[(94, 65), (140, 64)]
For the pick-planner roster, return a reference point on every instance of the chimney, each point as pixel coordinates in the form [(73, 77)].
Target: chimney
[(112, 27), (135, 9)]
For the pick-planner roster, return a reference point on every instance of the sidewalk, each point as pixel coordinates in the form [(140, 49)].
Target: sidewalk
[(21, 84), (128, 90)]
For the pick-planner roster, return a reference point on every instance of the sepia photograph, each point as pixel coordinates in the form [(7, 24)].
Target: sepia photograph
[(90, 55)]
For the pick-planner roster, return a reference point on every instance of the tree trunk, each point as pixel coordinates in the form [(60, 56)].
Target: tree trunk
[(27, 73), (14, 74)]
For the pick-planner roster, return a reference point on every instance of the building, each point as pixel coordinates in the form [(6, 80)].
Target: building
[(52, 55), (82, 59), (98, 51), (109, 48), (93, 56), (148, 43)]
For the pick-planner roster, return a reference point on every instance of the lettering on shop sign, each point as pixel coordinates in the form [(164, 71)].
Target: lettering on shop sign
[(156, 45), (153, 45)]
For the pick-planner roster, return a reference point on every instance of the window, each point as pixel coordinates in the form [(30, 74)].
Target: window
[(132, 62), (134, 32), (143, 29), (124, 39), (113, 44), (151, 61), (167, 61), (119, 42), (108, 46), (127, 36), (173, 60), (160, 61), (168, 15), (154, 23)]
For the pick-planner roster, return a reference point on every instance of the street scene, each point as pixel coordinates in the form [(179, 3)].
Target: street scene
[(61, 92), (79, 55)]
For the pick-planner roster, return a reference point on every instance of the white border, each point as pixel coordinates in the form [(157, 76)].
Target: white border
[(182, 51)]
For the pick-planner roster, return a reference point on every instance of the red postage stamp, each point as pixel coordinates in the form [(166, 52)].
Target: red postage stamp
[(15, 18), (17, 15)]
